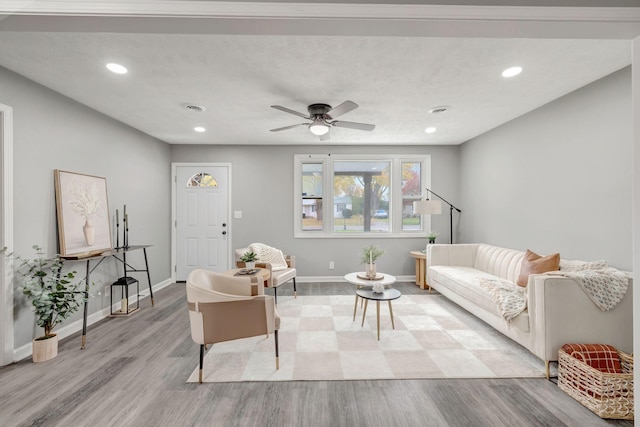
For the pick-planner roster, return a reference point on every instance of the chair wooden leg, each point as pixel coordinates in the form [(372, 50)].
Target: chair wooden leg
[(275, 295), (295, 292), (275, 335), (201, 363)]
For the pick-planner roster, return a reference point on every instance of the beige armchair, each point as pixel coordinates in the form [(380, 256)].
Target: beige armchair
[(276, 277), (225, 308)]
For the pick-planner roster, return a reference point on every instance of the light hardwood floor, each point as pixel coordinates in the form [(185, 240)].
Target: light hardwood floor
[(134, 371)]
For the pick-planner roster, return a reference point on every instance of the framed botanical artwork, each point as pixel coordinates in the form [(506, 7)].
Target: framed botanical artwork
[(83, 214)]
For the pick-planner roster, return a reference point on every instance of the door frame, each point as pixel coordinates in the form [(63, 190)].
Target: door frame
[(6, 235), (174, 210)]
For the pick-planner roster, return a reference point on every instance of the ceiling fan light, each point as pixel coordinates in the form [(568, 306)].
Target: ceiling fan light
[(318, 128)]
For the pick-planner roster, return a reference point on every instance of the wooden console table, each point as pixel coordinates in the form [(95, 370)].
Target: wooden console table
[(421, 268), (121, 255)]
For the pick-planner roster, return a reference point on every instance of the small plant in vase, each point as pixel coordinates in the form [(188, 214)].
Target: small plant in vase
[(431, 237), (54, 296), (369, 256), (249, 259)]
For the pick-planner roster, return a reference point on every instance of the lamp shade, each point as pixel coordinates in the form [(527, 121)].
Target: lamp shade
[(318, 127), (427, 207)]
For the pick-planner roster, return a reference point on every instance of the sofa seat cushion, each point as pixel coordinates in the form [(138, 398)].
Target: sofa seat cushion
[(465, 281)]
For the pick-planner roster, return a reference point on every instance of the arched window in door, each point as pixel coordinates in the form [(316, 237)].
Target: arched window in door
[(202, 179)]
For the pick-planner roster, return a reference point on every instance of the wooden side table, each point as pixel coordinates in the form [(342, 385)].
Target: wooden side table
[(421, 268)]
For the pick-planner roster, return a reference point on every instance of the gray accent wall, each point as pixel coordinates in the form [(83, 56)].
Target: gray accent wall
[(262, 188), (54, 132), (558, 179)]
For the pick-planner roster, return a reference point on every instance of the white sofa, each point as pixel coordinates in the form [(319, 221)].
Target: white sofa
[(558, 310)]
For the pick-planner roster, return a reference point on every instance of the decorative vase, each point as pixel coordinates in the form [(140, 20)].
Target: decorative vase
[(250, 265), (371, 270), (44, 349), (89, 233)]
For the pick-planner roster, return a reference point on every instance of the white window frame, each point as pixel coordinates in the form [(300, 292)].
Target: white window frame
[(395, 196)]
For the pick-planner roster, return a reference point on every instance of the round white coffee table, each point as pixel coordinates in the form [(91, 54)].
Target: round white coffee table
[(356, 279)]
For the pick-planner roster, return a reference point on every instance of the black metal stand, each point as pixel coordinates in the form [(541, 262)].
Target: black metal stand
[(451, 208)]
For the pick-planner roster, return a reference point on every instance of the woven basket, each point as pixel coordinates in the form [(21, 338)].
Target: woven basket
[(606, 395)]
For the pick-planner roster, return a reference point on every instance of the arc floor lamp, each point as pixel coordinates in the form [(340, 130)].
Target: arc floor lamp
[(434, 207)]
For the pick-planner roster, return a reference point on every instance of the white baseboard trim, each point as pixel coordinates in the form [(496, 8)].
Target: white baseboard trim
[(334, 279), (73, 327)]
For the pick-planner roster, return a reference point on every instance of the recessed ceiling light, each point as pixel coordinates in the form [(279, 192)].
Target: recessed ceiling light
[(430, 129), (117, 68), (199, 129), (513, 71)]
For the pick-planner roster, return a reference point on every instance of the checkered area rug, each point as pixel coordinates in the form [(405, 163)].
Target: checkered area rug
[(319, 340)]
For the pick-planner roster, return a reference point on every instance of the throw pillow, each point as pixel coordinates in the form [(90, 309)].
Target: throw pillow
[(532, 263), (602, 357), (273, 256)]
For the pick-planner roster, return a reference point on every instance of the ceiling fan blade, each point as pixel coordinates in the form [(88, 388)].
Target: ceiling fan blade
[(325, 137), (354, 125), (287, 110), (289, 127), (341, 109)]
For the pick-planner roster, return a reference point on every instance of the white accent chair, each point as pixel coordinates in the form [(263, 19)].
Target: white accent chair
[(225, 308), (277, 277)]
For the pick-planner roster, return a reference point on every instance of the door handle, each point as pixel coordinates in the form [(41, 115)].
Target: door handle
[(224, 232), (224, 224)]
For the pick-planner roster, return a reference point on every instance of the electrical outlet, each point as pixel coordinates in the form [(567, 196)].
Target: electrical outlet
[(331, 265)]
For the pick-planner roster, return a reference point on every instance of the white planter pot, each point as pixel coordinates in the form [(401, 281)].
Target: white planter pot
[(44, 350), (250, 265)]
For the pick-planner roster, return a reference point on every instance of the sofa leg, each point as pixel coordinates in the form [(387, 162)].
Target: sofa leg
[(547, 369), (275, 295), (295, 292)]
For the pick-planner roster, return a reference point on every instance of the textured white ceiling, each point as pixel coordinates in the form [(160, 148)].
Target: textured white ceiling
[(395, 80)]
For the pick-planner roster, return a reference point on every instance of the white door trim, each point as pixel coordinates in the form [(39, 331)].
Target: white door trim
[(6, 235), (174, 190)]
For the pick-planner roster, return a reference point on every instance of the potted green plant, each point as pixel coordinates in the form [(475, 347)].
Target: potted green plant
[(249, 258), (54, 296), (432, 236), (369, 256)]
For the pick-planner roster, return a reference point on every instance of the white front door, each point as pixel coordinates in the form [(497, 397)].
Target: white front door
[(202, 218)]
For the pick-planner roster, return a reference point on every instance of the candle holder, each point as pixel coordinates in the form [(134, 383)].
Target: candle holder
[(125, 229)]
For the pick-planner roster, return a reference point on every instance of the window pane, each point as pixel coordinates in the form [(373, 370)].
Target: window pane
[(202, 179), (312, 178), (361, 196), (411, 191)]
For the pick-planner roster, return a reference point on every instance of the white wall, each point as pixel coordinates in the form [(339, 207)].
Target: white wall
[(262, 188), (55, 132), (557, 179)]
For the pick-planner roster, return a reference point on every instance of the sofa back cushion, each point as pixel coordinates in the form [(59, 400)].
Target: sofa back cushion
[(501, 262), (462, 254)]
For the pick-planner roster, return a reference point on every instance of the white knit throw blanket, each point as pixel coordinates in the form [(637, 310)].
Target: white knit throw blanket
[(605, 287), (273, 256), (511, 298)]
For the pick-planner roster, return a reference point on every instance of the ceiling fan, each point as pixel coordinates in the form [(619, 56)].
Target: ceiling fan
[(322, 118)]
